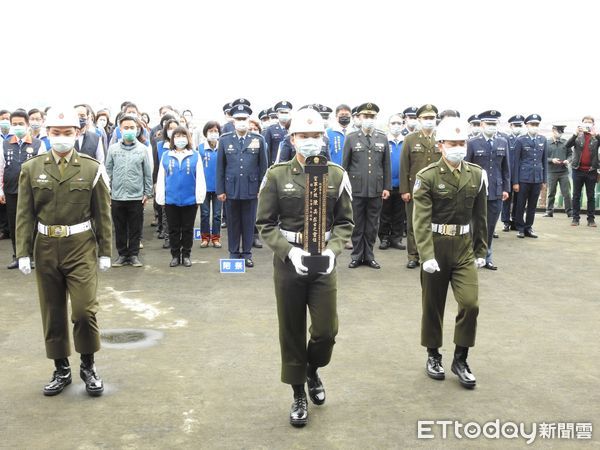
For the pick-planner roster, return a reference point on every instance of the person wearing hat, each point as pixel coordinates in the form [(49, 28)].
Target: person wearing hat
[(411, 121), (241, 165), (265, 121), (286, 148), (272, 116), (355, 119), (490, 152), (531, 168), (337, 132), (228, 126), (325, 112), (65, 196), (450, 232), (419, 150), (559, 157), (277, 132), (474, 126), (366, 158), (585, 166), (17, 149), (280, 220), (509, 207)]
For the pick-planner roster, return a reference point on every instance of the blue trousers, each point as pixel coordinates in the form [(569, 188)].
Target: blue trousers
[(205, 225), (241, 216), (494, 207), (526, 204)]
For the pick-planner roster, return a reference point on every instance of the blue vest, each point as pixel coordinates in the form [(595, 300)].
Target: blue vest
[(336, 145), (395, 154), (209, 163), (180, 180), (14, 157)]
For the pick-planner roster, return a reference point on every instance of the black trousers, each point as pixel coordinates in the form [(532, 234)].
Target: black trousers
[(366, 212), (127, 218), (3, 221), (393, 215), (509, 208), (181, 229), (580, 179), (11, 215), (527, 199)]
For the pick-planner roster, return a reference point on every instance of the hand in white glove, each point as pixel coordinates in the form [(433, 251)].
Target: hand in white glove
[(25, 265), (431, 265), (479, 262), (103, 263), (328, 252), (295, 255)]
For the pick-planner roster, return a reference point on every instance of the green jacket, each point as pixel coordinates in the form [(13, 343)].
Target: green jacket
[(82, 194), (281, 206), (418, 151), (129, 170), (441, 198)]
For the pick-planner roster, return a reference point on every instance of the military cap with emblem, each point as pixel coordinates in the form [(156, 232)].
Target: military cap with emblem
[(227, 107), (272, 113), (354, 111), (367, 108), (263, 114), (283, 105), (325, 111), (427, 110), (241, 111), (474, 119), (560, 127), (240, 101), (411, 111), (516, 119), (490, 116), (533, 118)]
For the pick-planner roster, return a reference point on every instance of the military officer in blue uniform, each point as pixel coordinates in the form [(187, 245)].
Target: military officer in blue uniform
[(509, 207), (241, 164), (410, 120), (265, 121), (287, 151), (489, 150), (277, 133), (228, 126), (531, 167), (475, 126)]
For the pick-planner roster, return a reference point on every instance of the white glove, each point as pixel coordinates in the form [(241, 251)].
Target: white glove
[(103, 263), (328, 252), (431, 265), (479, 262), (25, 265), (295, 255)]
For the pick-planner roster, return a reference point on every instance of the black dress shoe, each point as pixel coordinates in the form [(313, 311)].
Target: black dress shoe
[(120, 261), (384, 245), (257, 243), (495, 235), (434, 367), (93, 383), (316, 391), (61, 378), (373, 264), (461, 369), (32, 264), (490, 266), (531, 234), (592, 223), (223, 224), (14, 264), (174, 262), (399, 245), (186, 261), (249, 262), (354, 264), (506, 228), (412, 264), (299, 411), (166, 244), (548, 214), (521, 235)]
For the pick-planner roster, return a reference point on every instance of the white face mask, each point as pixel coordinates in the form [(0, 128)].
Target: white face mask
[(181, 142), (356, 122), (5, 125), (35, 126), (490, 130), (283, 117), (395, 129), (101, 123), (517, 130), (455, 154), (476, 130), (19, 130), (62, 144), (212, 135), (169, 133), (428, 124), (532, 130), (368, 124), (241, 125), (309, 146), (412, 123)]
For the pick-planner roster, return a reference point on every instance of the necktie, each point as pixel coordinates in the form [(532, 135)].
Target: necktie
[(456, 174), (368, 139), (242, 142), (62, 165)]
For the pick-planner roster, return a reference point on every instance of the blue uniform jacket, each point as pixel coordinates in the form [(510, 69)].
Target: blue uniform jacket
[(531, 160), (494, 160), (273, 136), (209, 163), (240, 168)]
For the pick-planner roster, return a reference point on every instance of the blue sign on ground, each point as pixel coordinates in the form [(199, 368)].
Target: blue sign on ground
[(232, 265), (197, 234)]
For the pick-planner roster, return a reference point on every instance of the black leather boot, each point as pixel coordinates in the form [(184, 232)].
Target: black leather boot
[(87, 371), (299, 410), (316, 391), (461, 368), (60, 378), (434, 366)]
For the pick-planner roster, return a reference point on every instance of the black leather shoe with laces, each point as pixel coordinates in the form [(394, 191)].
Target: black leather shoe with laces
[(60, 379), (462, 370), (93, 383), (434, 367), (316, 391), (299, 411)]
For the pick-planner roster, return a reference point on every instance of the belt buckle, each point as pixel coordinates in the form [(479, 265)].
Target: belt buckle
[(299, 238), (58, 231), (453, 228)]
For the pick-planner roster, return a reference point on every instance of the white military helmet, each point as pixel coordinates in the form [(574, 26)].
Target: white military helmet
[(452, 129), (62, 117), (307, 121)]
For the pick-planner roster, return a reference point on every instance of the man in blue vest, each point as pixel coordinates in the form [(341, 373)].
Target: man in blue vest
[(489, 150), (531, 167), (241, 165), (277, 133), (337, 132), (509, 207)]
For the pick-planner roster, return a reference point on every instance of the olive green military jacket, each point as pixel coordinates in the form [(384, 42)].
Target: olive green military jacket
[(80, 195), (441, 198), (418, 151), (281, 206)]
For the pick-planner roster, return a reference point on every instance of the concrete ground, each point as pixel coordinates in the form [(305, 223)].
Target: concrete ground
[(211, 379)]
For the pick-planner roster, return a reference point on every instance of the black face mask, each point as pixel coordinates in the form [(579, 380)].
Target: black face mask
[(344, 120), (82, 122)]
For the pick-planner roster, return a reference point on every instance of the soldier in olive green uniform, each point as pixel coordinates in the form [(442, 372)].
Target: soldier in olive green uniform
[(65, 195), (419, 150), (450, 226), (280, 220)]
